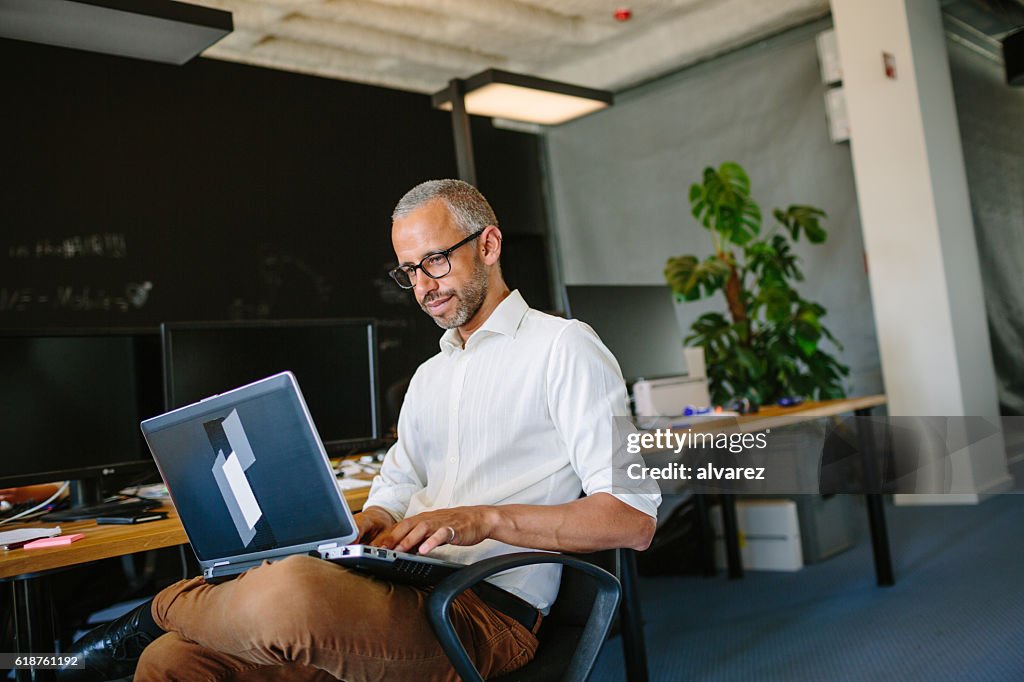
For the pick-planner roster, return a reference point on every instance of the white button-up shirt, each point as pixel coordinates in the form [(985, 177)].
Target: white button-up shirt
[(523, 414)]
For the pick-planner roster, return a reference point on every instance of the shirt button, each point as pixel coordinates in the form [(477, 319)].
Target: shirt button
[(452, 460)]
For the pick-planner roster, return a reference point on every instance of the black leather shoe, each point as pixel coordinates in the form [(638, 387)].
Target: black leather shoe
[(109, 651)]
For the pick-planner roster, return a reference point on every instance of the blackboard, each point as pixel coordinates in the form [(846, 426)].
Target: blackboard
[(134, 193)]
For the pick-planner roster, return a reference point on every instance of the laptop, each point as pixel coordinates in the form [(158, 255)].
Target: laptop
[(251, 482)]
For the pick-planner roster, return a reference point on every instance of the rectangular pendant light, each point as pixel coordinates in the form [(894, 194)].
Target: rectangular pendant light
[(500, 94), (157, 30)]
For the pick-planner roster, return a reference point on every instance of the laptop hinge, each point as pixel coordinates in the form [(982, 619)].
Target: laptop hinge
[(221, 563), (329, 545)]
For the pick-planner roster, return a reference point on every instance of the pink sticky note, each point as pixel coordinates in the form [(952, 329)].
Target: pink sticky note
[(58, 541)]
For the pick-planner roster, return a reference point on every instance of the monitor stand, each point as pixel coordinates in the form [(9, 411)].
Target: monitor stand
[(85, 492), (86, 498)]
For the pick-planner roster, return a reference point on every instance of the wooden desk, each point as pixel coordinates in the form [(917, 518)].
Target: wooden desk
[(26, 570), (774, 416), (104, 542)]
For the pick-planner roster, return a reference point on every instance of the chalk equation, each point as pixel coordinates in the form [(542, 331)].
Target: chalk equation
[(99, 245), (133, 296)]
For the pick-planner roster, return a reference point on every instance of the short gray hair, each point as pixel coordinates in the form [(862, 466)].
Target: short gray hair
[(464, 201)]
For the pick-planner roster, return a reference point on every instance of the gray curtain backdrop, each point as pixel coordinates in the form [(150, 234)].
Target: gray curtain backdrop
[(992, 128), (619, 181)]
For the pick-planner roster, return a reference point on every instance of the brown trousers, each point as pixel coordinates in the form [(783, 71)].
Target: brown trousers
[(306, 619)]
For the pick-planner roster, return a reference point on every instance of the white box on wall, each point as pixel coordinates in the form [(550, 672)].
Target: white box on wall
[(835, 111), (828, 57), (769, 535)]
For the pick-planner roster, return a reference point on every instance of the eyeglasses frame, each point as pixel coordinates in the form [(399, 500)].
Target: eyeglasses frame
[(447, 253)]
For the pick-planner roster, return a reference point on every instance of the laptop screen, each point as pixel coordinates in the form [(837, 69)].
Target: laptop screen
[(246, 473)]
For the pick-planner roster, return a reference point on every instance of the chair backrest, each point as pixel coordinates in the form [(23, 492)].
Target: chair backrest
[(568, 649), (575, 598), (563, 628)]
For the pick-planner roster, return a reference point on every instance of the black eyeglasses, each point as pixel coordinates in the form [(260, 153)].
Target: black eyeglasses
[(434, 265)]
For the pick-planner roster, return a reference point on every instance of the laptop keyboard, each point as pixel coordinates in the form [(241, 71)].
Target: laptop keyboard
[(412, 569)]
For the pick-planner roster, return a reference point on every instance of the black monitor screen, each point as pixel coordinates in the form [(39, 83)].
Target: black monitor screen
[(637, 323), (334, 362), (71, 404)]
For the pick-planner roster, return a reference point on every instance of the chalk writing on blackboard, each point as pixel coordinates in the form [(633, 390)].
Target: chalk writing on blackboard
[(284, 280), (134, 295), (100, 245)]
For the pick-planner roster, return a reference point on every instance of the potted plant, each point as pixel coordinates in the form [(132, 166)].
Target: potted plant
[(768, 345)]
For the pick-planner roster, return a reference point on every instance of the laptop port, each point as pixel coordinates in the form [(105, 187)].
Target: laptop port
[(382, 553)]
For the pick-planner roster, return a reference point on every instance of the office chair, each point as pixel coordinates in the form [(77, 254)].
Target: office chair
[(570, 636)]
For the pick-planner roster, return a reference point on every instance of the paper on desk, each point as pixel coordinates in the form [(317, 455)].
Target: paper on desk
[(21, 535)]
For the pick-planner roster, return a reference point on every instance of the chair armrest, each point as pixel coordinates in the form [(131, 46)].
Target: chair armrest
[(594, 633)]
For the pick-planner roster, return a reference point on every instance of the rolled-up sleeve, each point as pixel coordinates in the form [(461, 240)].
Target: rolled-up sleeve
[(587, 401), (401, 475)]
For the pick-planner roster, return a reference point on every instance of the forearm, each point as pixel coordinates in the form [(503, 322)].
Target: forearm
[(592, 523), (382, 512), (596, 522)]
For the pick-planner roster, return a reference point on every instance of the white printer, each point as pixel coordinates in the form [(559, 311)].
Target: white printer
[(668, 396)]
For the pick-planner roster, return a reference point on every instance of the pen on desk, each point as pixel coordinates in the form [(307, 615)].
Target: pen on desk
[(152, 517)]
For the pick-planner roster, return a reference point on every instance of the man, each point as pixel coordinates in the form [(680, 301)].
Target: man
[(498, 435)]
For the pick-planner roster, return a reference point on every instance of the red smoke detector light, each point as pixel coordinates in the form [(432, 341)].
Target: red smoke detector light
[(623, 14)]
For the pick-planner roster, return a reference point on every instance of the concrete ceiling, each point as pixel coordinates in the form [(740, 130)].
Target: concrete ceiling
[(418, 45)]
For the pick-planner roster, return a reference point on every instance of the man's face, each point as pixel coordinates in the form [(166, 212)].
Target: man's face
[(455, 298)]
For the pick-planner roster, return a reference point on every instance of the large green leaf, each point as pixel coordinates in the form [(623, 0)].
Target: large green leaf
[(750, 361), (805, 218), (807, 345), (722, 203), (773, 260), (691, 279), (777, 300), (715, 334), (699, 204)]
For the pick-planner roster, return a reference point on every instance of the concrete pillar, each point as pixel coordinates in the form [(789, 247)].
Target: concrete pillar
[(918, 232)]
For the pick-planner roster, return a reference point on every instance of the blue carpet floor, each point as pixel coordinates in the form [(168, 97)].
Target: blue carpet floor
[(955, 613)]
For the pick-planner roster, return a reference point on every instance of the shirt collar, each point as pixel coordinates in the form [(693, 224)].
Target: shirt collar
[(505, 319)]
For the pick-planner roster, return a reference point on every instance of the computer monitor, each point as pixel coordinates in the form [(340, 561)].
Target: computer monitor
[(335, 362), (636, 322), (71, 404)]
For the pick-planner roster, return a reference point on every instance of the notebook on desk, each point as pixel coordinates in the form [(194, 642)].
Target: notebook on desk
[(251, 482)]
